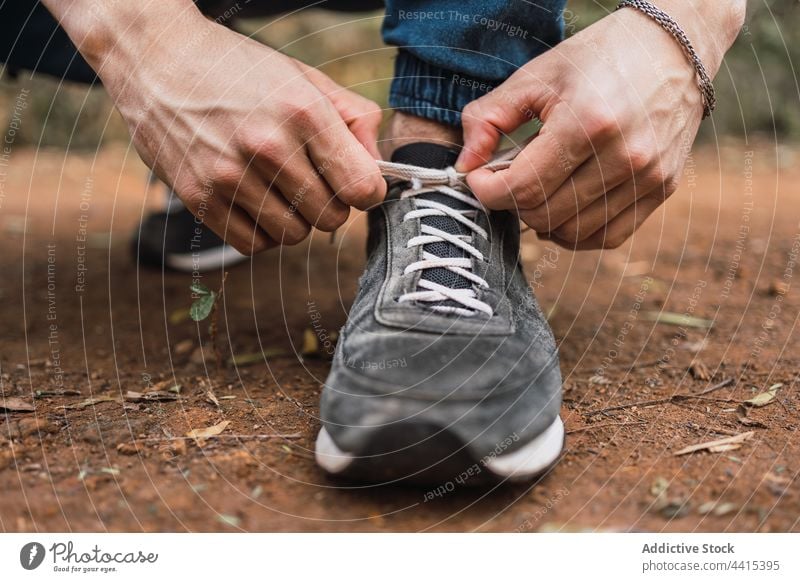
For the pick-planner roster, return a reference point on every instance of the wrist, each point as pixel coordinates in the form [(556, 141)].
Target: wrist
[(711, 27), (116, 35)]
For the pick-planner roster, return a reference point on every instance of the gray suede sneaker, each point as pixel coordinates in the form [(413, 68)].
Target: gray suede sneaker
[(446, 368)]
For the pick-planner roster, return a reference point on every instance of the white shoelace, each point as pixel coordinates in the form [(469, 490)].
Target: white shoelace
[(450, 183)]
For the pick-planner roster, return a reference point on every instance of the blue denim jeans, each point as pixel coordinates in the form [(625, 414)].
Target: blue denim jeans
[(450, 51), (453, 51)]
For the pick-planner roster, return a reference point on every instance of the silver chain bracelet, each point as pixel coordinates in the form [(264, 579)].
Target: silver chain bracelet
[(667, 23)]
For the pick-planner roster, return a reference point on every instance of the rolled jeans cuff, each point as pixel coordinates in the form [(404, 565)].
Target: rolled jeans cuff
[(432, 92)]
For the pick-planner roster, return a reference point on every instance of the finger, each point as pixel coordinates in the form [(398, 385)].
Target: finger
[(306, 192), (270, 210), (538, 170), (593, 183), (230, 223), (498, 113), (620, 229), (347, 167), (365, 127), (363, 117), (360, 114), (600, 212)]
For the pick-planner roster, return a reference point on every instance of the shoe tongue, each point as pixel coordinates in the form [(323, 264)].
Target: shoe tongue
[(426, 155), (430, 155)]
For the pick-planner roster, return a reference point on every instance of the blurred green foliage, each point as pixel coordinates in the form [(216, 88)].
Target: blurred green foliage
[(758, 88)]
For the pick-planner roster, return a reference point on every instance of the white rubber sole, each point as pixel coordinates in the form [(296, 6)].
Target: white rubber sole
[(211, 259), (527, 462)]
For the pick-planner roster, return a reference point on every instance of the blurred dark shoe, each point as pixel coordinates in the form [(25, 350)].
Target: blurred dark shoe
[(175, 241)]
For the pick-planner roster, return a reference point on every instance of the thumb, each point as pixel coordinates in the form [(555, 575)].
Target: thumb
[(488, 118)]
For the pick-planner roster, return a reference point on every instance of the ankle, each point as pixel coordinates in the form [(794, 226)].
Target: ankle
[(404, 129)]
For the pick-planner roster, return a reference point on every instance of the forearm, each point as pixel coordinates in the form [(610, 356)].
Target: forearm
[(711, 26)]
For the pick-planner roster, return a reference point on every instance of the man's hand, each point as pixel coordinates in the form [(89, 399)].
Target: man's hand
[(257, 145), (620, 108)]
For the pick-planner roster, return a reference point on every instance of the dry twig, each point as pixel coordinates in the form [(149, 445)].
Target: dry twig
[(668, 400)]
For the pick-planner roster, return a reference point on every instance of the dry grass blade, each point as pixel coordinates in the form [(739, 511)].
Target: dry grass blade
[(604, 425), (717, 446), (50, 393), (674, 399), (679, 319), (157, 396), (91, 402)]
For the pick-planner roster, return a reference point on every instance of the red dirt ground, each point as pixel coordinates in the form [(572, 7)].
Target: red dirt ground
[(722, 250)]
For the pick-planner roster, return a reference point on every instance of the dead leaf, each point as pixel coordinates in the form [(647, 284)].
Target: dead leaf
[(764, 398), (211, 431), (718, 446), (179, 315), (13, 404), (778, 287), (212, 398), (313, 347), (700, 371), (164, 386), (91, 402), (741, 416), (310, 343), (131, 448)]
